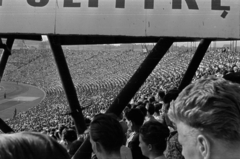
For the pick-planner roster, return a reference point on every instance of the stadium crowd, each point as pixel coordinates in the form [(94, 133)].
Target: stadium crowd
[(100, 76)]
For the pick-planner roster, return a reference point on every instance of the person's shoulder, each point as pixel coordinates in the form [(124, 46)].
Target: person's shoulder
[(125, 152)]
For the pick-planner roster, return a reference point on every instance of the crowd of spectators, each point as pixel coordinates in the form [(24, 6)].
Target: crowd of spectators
[(98, 77)]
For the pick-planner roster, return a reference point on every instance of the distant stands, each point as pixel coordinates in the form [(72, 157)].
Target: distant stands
[(98, 77)]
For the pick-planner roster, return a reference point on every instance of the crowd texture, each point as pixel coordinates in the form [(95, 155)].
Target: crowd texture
[(98, 76)]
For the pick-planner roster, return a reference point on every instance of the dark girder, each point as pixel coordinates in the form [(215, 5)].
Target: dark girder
[(6, 53), (139, 77), (131, 88), (68, 85), (196, 60)]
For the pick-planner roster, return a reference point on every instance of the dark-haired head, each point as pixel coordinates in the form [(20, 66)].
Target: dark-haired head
[(157, 107), (143, 109), (106, 134), (69, 135), (150, 108), (151, 99), (136, 116), (30, 145), (154, 136), (161, 94), (74, 146), (233, 77), (171, 95)]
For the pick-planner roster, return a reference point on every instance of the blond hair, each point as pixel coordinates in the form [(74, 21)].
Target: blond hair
[(211, 105)]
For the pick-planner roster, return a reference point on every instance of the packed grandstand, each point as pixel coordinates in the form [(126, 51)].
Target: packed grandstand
[(167, 103), (99, 75)]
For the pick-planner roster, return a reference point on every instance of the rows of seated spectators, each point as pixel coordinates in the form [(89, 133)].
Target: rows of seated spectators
[(140, 117), (147, 112), (40, 69), (171, 125), (96, 96)]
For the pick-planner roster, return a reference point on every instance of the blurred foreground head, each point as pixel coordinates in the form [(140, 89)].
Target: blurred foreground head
[(233, 77), (207, 116), (29, 145)]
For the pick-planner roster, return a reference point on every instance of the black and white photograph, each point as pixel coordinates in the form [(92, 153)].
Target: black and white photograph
[(120, 79)]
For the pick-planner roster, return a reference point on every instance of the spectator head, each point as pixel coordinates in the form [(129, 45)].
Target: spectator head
[(157, 108), (136, 118), (151, 99), (171, 95), (29, 145), (150, 108), (69, 135), (143, 109), (106, 135), (153, 139), (87, 121), (74, 146), (160, 95), (233, 77), (207, 116), (61, 128)]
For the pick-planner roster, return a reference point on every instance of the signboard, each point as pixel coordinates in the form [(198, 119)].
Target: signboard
[(161, 18)]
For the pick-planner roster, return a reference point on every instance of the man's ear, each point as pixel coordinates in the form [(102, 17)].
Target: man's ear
[(150, 147), (204, 146)]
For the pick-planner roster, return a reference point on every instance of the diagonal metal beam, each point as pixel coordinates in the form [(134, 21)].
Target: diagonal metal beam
[(196, 60), (139, 77), (5, 128), (131, 88), (68, 85), (6, 53)]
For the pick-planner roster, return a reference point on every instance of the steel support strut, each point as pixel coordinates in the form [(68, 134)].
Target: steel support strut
[(196, 60), (6, 53), (131, 88), (68, 85), (5, 128), (139, 77)]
